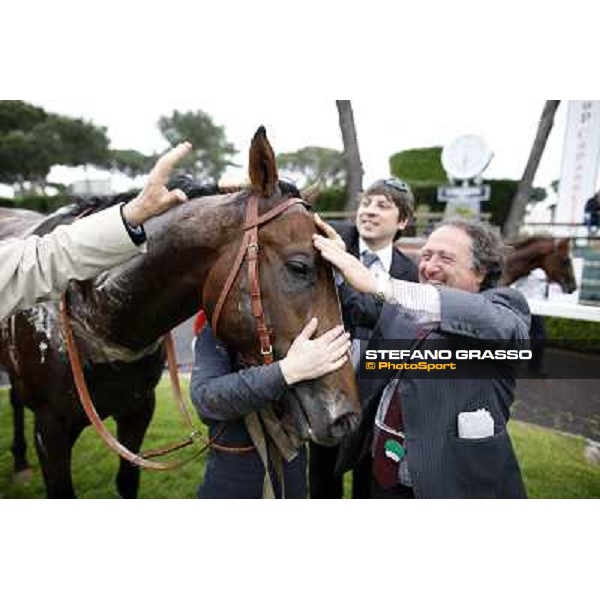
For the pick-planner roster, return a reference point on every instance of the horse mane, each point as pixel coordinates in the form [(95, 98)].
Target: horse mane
[(522, 242), (81, 206)]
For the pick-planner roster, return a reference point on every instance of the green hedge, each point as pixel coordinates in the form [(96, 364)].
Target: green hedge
[(571, 334), (422, 169), (502, 194), (43, 204), (332, 199), (419, 166)]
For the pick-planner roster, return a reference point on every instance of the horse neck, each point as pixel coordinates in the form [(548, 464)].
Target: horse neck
[(133, 305), (524, 260)]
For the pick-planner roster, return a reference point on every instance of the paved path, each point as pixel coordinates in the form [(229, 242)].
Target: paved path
[(571, 405)]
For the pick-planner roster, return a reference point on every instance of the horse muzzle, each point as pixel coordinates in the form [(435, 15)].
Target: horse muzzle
[(329, 414)]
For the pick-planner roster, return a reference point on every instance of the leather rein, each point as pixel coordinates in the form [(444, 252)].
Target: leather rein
[(250, 247)]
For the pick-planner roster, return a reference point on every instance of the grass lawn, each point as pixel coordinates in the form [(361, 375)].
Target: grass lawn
[(95, 466), (553, 464)]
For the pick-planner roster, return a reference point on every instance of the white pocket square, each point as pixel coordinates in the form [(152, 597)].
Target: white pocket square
[(475, 425)]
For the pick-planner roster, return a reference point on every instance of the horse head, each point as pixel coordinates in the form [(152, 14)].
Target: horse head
[(200, 248), (293, 284), (558, 266)]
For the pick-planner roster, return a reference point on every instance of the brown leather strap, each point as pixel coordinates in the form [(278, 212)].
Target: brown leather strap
[(274, 212), (229, 283), (107, 437), (266, 349), (174, 375), (250, 247), (175, 385)]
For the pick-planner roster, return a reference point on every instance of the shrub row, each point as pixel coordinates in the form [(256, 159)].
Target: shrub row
[(43, 204), (571, 334)]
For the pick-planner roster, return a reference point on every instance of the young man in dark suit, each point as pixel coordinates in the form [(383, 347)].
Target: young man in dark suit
[(383, 212)]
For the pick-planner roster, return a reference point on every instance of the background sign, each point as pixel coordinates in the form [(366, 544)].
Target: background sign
[(581, 156)]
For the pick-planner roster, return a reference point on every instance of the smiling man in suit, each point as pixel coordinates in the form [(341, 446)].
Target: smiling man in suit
[(440, 437)]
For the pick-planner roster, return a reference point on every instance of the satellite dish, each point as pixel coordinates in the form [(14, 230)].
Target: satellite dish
[(466, 157)]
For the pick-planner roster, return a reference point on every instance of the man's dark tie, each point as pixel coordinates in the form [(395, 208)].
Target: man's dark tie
[(362, 333), (369, 258), (389, 447)]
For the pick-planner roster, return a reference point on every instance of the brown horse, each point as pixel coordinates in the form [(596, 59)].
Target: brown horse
[(552, 255), (120, 317)]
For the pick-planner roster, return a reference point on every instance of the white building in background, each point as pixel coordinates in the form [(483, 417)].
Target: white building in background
[(92, 181), (6, 191), (91, 187)]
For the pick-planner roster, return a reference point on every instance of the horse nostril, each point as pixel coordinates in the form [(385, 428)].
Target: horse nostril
[(344, 425)]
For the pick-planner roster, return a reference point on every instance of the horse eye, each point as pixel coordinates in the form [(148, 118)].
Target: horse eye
[(298, 268)]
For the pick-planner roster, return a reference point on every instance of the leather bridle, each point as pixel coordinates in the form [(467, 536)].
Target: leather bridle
[(250, 247)]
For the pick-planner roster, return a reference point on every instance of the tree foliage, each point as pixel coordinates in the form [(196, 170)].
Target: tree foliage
[(22, 157), (32, 141), (211, 154), (16, 115), (131, 162), (75, 141), (314, 163)]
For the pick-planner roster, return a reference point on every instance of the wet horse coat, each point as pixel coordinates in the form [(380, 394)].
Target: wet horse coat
[(120, 317)]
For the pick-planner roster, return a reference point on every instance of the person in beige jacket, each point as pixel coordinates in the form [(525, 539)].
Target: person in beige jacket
[(35, 269)]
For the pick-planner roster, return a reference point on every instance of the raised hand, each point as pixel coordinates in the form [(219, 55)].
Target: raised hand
[(353, 271), (329, 232), (155, 198)]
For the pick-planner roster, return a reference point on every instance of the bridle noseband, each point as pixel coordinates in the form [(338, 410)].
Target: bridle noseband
[(250, 247)]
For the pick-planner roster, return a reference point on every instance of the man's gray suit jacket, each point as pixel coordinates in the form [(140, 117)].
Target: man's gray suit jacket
[(441, 464)]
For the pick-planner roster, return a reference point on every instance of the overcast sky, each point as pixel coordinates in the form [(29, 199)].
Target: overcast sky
[(417, 73), (384, 127)]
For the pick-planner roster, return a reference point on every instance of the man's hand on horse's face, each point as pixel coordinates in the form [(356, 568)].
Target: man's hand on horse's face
[(155, 198)]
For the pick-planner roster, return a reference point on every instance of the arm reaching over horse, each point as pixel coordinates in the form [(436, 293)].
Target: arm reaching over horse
[(36, 269)]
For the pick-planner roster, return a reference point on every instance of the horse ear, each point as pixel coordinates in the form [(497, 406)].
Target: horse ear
[(563, 247), (262, 167), (311, 192)]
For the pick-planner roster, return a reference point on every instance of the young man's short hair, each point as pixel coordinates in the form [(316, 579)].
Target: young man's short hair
[(396, 191)]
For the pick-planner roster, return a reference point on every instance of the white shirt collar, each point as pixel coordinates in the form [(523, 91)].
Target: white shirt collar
[(384, 255)]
